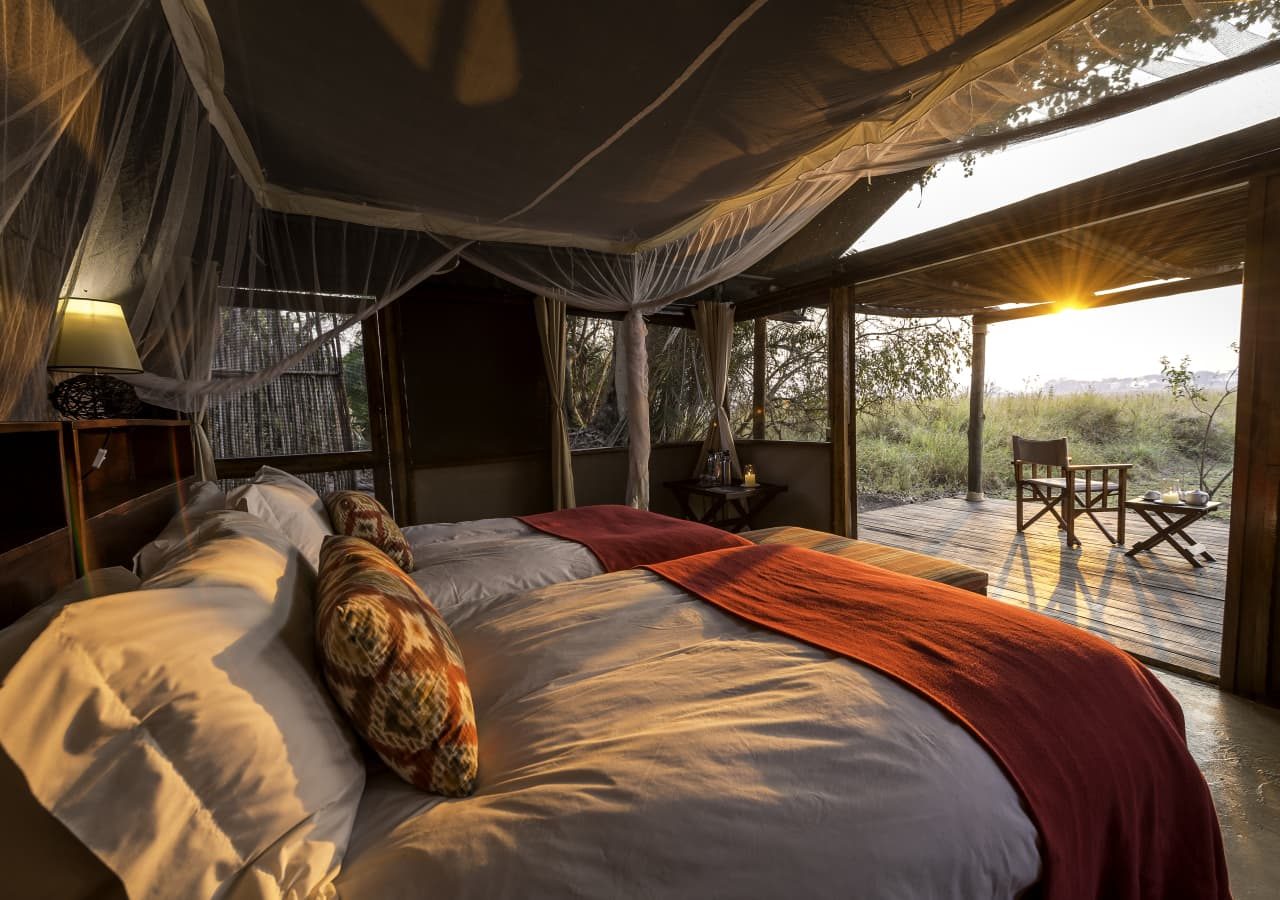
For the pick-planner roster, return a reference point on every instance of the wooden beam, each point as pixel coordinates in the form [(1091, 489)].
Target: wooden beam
[(295, 301), (1151, 292), (841, 406), (977, 387), (1210, 167), (1251, 625), (396, 415), (759, 357)]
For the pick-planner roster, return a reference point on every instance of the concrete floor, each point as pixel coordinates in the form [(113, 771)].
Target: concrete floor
[(1237, 744)]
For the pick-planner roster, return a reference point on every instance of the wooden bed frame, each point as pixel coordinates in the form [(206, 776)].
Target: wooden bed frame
[(68, 517)]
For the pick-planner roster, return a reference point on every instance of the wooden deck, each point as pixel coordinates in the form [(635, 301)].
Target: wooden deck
[(1153, 605)]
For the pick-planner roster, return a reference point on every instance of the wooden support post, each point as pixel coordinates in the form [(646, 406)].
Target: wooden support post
[(977, 386), (757, 378), (375, 382), (1251, 627), (398, 466), (841, 406)]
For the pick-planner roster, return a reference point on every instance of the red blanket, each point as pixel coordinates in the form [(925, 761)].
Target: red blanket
[(623, 538), (1089, 737)]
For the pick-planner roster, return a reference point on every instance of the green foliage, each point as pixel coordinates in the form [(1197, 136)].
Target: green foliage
[(357, 389), (795, 407), (1103, 56), (908, 360), (898, 360), (591, 400), (679, 395), (921, 449), (1202, 435)]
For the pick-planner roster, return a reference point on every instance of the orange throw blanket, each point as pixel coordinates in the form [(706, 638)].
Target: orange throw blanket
[(1091, 740), (623, 538)]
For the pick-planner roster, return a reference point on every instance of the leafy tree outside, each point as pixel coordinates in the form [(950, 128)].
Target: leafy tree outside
[(1202, 437), (897, 360)]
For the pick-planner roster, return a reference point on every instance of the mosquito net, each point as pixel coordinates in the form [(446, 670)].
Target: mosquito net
[(194, 159)]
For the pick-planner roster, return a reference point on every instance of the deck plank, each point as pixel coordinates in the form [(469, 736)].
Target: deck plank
[(1154, 605)]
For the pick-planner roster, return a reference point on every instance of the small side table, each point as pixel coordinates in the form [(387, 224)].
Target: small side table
[(1174, 518), (746, 502)]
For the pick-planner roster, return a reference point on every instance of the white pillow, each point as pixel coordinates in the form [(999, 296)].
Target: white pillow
[(289, 504), (232, 548), (206, 497), (15, 639), (182, 733), (39, 857)]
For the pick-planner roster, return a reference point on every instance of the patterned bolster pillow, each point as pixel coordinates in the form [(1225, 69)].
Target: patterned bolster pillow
[(395, 668), (357, 514)]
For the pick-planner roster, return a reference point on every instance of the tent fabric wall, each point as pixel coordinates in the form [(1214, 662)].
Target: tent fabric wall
[(267, 155), (139, 202), (61, 120)]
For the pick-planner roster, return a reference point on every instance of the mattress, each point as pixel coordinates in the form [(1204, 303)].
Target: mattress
[(636, 741)]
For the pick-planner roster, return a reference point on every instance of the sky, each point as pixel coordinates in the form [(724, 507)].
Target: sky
[(1121, 341)]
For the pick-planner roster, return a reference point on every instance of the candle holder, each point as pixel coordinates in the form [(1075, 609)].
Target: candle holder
[(749, 476)]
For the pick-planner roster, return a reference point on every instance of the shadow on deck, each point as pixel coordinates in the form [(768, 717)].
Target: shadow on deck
[(1153, 605)]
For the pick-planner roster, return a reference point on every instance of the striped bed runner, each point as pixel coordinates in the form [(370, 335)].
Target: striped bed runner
[(891, 558)]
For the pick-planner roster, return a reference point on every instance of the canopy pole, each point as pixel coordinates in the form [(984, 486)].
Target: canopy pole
[(977, 387)]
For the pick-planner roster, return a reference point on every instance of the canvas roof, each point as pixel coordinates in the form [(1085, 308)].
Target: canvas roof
[(616, 124)]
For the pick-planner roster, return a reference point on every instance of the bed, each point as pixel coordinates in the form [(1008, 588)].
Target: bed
[(634, 740)]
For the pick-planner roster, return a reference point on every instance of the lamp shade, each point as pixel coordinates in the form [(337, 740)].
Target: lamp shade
[(93, 337)]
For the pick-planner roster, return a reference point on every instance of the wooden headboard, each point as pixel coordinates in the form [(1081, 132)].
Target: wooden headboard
[(36, 556), (68, 516)]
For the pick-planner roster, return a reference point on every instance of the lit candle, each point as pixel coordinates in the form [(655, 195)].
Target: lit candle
[(749, 476), (1170, 497)]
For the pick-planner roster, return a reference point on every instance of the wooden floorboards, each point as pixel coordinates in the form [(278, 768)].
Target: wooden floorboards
[(1153, 605)]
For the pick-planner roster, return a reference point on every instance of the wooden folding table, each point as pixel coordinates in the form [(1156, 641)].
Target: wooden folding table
[(1170, 522)]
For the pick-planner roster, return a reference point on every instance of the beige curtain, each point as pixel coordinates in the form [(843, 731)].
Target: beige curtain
[(553, 328), (714, 322)]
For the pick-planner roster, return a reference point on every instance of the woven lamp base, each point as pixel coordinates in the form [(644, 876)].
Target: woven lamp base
[(93, 396)]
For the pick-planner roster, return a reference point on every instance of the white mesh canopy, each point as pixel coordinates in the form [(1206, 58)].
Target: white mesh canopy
[(187, 156)]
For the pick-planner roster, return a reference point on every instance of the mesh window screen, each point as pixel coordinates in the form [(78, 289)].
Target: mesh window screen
[(323, 482), (591, 399), (795, 377), (321, 405), (679, 395)]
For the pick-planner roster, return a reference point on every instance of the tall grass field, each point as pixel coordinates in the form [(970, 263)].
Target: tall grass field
[(920, 450)]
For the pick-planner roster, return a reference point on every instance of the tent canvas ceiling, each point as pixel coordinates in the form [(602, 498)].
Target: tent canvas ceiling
[(467, 112)]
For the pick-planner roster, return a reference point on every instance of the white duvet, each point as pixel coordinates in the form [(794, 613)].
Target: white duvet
[(637, 742), (465, 562)]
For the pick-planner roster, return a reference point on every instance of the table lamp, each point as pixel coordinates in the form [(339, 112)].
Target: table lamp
[(93, 338)]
